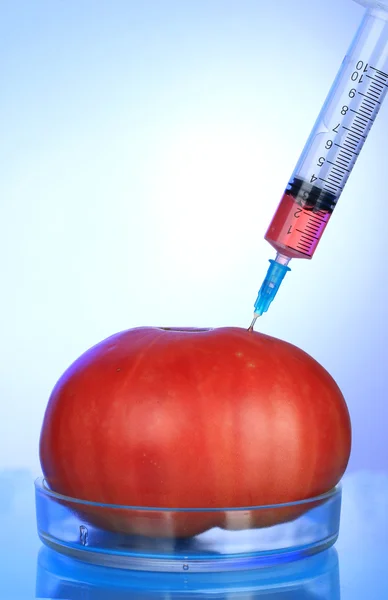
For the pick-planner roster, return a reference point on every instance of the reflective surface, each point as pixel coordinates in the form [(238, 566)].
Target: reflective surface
[(355, 568), (310, 578)]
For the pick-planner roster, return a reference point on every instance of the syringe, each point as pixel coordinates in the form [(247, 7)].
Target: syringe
[(331, 150)]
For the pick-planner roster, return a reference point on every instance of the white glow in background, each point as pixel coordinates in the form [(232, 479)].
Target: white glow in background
[(145, 147)]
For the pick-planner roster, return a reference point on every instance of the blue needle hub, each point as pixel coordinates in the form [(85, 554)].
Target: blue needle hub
[(270, 286)]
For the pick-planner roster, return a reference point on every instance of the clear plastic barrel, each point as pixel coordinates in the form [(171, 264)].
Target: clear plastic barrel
[(336, 140), (374, 3)]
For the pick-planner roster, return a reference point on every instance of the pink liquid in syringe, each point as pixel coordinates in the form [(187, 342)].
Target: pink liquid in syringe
[(296, 230)]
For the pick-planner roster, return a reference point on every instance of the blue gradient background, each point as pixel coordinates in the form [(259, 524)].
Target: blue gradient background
[(144, 148)]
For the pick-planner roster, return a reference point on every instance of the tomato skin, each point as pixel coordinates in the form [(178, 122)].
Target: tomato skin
[(194, 419)]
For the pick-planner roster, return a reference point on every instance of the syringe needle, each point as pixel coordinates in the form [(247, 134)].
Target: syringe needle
[(251, 326)]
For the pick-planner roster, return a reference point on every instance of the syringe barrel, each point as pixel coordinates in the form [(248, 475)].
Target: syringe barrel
[(374, 3), (335, 142)]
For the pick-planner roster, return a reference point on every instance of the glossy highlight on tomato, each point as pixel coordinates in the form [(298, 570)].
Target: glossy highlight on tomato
[(191, 418)]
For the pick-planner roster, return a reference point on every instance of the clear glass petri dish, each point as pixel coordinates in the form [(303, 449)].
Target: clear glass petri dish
[(181, 540)]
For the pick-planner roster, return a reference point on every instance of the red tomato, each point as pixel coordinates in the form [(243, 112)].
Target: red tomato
[(194, 418)]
